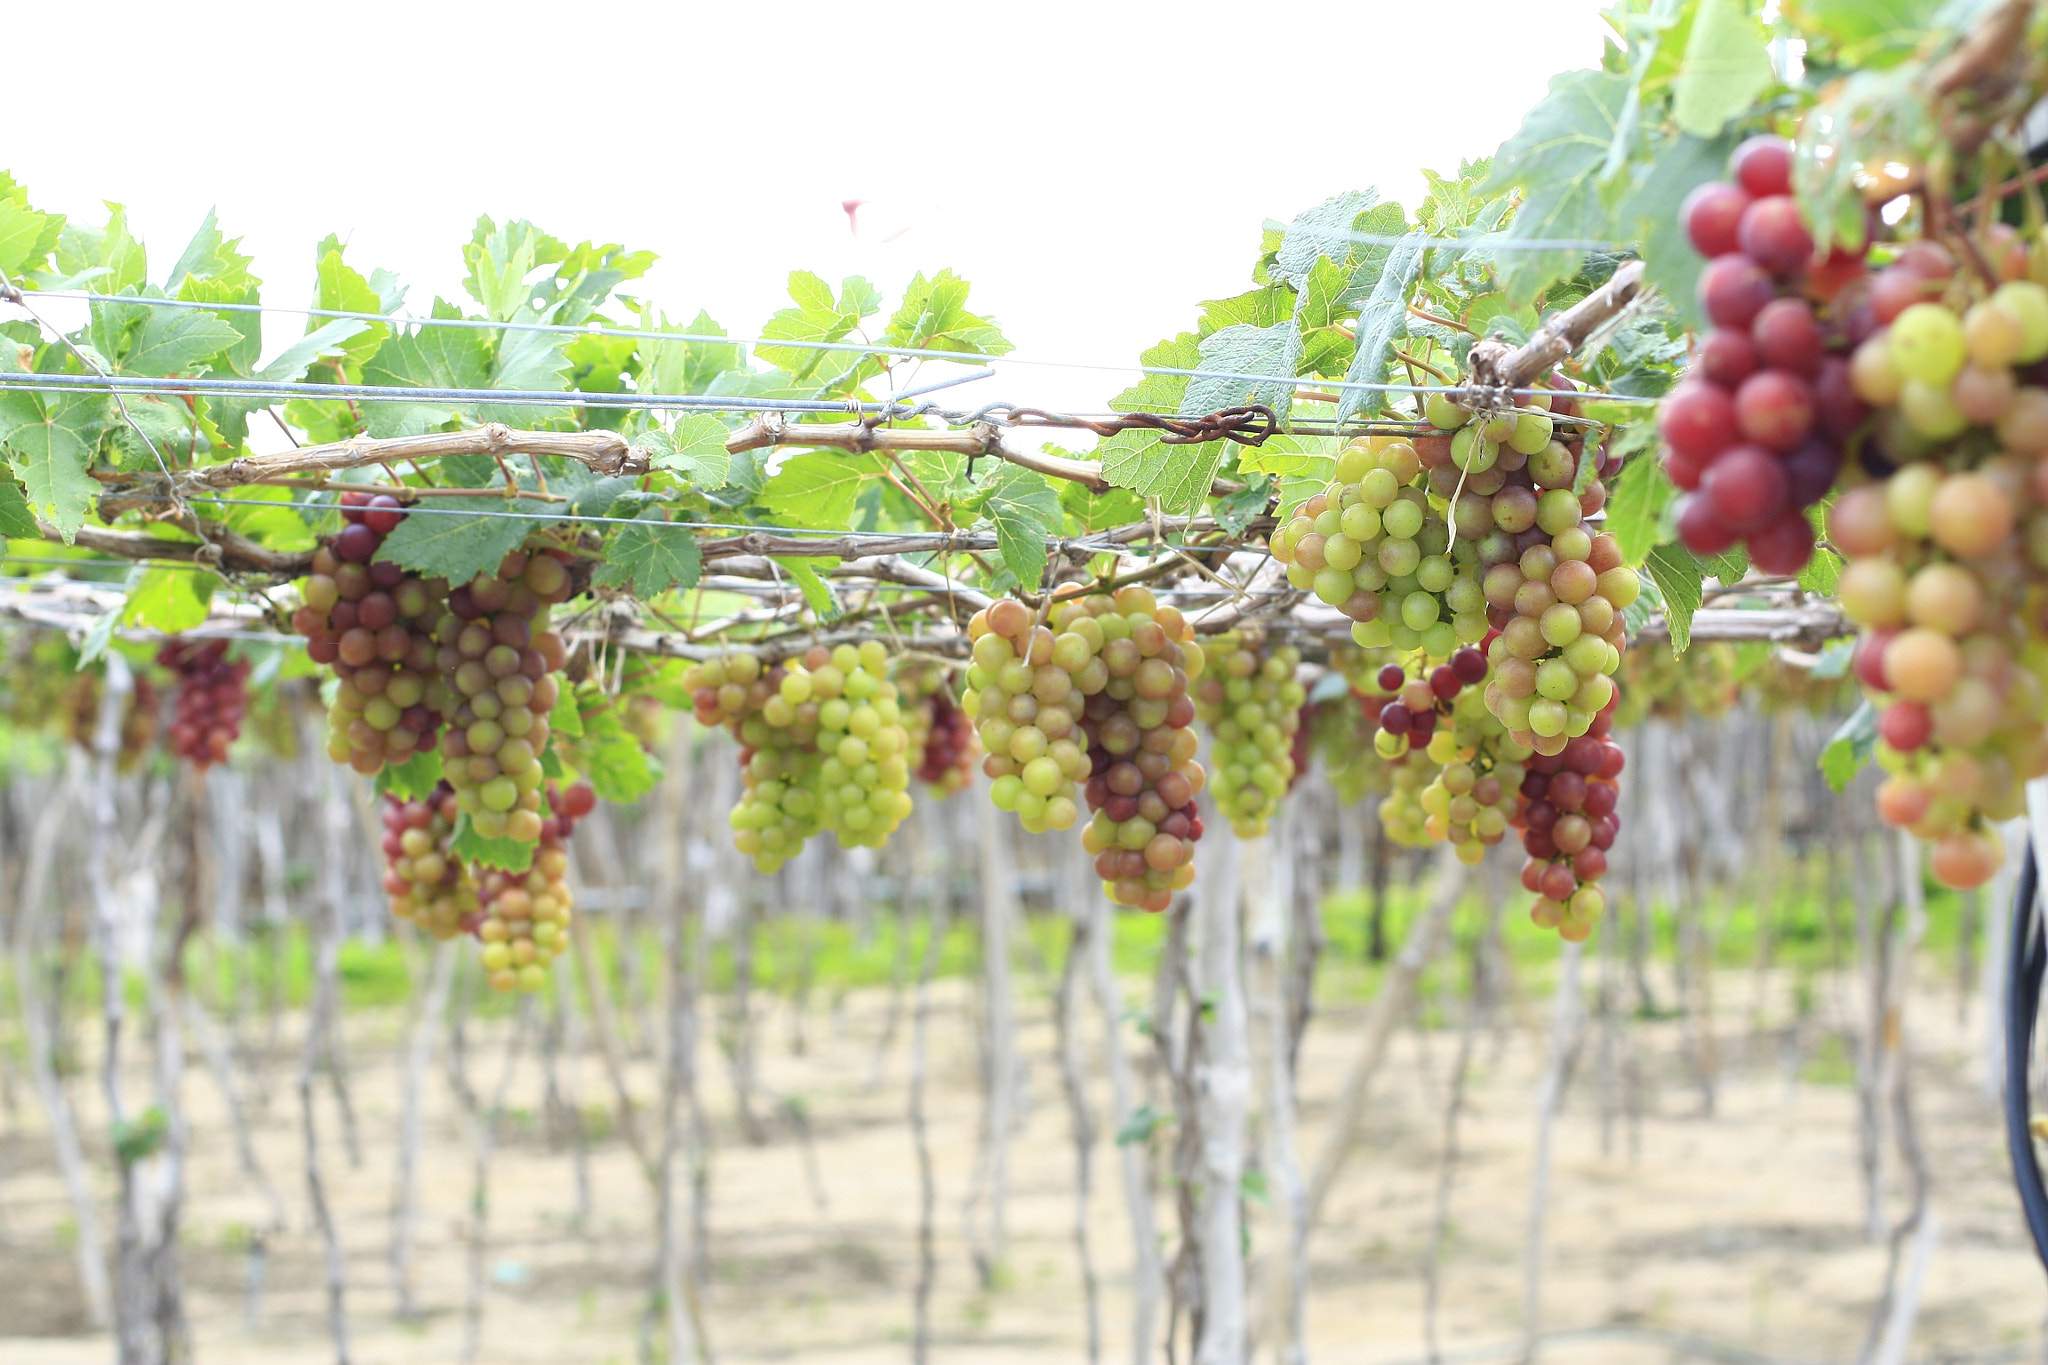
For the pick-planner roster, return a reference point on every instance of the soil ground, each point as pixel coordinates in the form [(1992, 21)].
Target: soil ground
[(1673, 1233)]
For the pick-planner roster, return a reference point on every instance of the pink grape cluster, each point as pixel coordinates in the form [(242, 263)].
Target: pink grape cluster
[(427, 883), (212, 695), (1408, 719), (1568, 824), (1756, 432)]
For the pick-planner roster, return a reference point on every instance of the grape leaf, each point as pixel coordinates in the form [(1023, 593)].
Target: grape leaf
[(414, 779), (50, 442), (1556, 158), (1650, 214), (341, 288), (1308, 456), (817, 488), (432, 357), (170, 600), (803, 571), (1679, 577), (933, 316), (1161, 392), (1851, 746), (1824, 570), (1243, 349), (174, 340), (15, 517), (566, 717), (1382, 320), (458, 548), (1024, 509), (1321, 231), (1089, 512), (1866, 34), (1636, 506), (817, 317), (1727, 66), (605, 752), (1261, 307), (526, 360), (676, 367), (694, 449), (507, 855), (26, 237), (1179, 476), (1235, 512), (502, 259), (651, 556)]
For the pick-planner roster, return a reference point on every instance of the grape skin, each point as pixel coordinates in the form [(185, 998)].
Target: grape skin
[(1250, 701)]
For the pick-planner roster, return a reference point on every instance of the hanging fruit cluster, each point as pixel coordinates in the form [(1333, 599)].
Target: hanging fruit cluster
[(212, 695), (428, 884), (1250, 700), (525, 916)]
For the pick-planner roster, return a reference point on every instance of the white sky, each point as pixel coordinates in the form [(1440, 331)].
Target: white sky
[(1094, 169)]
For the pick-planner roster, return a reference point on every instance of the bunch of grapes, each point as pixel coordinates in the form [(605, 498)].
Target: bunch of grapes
[(496, 660), (773, 713), (863, 748), (1408, 719), (1756, 433), (1474, 796), (1026, 688), (138, 722), (1143, 775), (1568, 823), (1369, 546), (1554, 659), (1401, 811), (427, 883), (525, 916), (374, 624), (943, 750), (1249, 699), (211, 697)]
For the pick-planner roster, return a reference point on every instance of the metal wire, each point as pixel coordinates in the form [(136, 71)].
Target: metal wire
[(1489, 242)]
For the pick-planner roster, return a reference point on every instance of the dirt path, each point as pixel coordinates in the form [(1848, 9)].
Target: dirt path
[(1745, 1228)]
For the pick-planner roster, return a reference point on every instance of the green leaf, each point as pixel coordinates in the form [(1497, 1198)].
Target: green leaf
[(1089, 512), (566, 718), (170, 600), (531, 361), (1382, 321), (341, 288), (502, 260), (414, 779), (650, 557), (1249, 350), (431, 357), (678, 367), (817, 488), (1260, 307), (933, 317), (26, 237), (817, 317), (1235, 512), (1851, 747), (694, 449), (49, 441), (329, 339), (1161, 392), (1179, 476), (803, 571), (458, 548), (1313, 457), (507, 855), (1824, 570), (1635, 509), (1024, 509), (15, 517), (605, 752), (1727, 66), (1556, 159), (1865, 34), (1679, 577), (139, 1138), (174, 341)]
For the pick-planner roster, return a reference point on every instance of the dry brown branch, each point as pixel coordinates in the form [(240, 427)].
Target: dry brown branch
[(1494, 365)]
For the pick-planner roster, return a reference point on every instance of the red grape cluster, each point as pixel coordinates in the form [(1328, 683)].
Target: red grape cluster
[(1755, 434), (776, 721), (1409, 718), (943, 748), (1568, 823), (496, 660), (1251, 702), (212, 696), (373, 622), (525, 915), (1143, 776), (427, 883)]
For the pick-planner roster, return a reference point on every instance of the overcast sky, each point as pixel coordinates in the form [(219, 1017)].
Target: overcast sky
[(1095, 169)]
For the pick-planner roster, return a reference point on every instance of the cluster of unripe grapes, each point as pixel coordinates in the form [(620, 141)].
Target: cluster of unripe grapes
[(863, 748), (776, 724), (1250, 700), (1026, 690), (427, 883), (138, 722), (1408, 719), (525, 915), (1948, 550), (1756, 434), (373, 623), (212, 695), (1554, 660), (1401, 812), (1568, 823), (1472, 799), (497, 660), (944, 751), (1369, 546)]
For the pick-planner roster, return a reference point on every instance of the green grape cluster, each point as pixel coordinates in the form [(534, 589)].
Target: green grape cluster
[(1372, 546), (863, 747), (775, 721), (497, 660), (1026, 687), (525, 915), (428, 885), (1251, 702), (1402, 814)]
